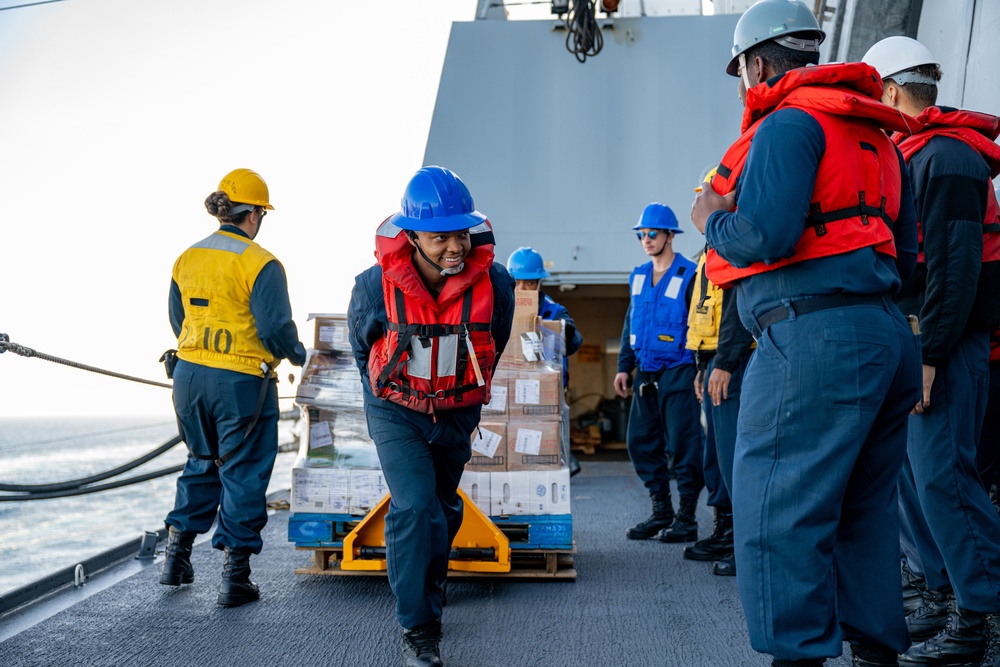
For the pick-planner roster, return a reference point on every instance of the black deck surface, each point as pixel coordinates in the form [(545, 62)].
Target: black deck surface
[(633, 603)]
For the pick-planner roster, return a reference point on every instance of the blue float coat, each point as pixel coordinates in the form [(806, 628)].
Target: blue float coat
[(669, 314)]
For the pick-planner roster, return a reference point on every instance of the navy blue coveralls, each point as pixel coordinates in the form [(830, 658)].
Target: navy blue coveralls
[(665, 415), (214, 408), (422, 456), (822, 421), (951, 531), (733, 353)]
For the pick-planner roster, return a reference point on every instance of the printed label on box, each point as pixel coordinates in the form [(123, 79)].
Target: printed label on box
[(332, 334), (532, 347), (527, 392), (529, 441), (320, 435), (498, 400), (487, 441)]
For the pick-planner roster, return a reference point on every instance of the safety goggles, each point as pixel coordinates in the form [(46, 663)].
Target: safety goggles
[(652, 233)]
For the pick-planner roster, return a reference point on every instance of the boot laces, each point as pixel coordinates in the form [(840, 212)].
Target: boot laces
[(424, 641)]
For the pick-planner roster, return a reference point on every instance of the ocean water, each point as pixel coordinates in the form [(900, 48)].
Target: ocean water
[(39, 537)]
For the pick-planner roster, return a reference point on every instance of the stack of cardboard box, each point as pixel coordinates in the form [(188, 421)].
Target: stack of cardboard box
[(518, 463), (337, 470)]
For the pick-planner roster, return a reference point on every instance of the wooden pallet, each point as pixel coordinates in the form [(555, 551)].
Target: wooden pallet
[(525, 564)]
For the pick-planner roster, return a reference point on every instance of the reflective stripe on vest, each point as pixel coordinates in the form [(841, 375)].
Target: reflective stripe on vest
[(216, 277), (436, 354)]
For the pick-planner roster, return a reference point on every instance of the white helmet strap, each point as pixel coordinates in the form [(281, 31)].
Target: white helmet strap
[(743, 71)]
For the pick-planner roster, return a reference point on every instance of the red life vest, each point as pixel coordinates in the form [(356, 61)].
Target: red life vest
[(857, 192), (438, 354), (978, 131)]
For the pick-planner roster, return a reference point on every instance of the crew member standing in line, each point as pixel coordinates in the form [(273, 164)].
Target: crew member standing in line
[(664, 418), (955, 529), (714, 318), (528, 269), (230, 311), (810, 216), (427, 325)]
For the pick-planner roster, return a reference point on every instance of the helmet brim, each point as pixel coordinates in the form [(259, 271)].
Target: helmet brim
[(675, 230), (451, 223), (530, 275)]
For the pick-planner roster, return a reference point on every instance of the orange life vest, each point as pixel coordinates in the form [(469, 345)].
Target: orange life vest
[(858, 183), (438, 354), (978, 131)]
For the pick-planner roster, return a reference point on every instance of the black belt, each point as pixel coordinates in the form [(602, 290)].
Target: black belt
[(805, 306)]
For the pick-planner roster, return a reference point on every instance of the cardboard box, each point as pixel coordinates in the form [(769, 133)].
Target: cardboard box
[(331, 332), (534, 445), (368, 487), (489, 447), (525, 348), (535, 394), (340, 437), (320, 490), (476, 486), (501, 493), (552, 488), (496, 409)]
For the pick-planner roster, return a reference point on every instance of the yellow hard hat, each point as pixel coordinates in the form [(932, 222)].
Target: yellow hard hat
[(245, 186)]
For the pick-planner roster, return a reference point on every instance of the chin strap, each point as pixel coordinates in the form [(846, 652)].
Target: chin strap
[(444, 272)]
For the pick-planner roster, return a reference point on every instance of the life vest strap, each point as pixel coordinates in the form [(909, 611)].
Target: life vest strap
[(404, 388), (818, 218)]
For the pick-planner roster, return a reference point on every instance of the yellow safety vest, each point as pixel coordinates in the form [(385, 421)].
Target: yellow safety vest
[(215, 277), (705, 312)]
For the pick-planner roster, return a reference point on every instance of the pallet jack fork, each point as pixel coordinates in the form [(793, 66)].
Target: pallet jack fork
[(479, 545)]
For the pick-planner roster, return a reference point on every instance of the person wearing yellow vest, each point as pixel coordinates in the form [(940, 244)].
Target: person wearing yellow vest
[(230, 311), (811, 218)]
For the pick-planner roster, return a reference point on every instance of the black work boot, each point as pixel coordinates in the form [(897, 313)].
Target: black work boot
[(717, 545), (421, 645), (930, 617), (913, 589), (873, 655), (662, 516), (177, 569), (961, 644), (992, 657), (725, 567), (236, 587), (685, 526)]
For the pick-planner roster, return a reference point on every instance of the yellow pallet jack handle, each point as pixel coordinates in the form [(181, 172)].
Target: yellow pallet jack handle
[(477, 532)]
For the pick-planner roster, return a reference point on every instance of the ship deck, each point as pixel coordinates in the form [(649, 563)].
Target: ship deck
[(633, 603)]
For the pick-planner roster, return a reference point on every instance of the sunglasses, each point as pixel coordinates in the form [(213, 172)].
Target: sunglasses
[(652, 233)]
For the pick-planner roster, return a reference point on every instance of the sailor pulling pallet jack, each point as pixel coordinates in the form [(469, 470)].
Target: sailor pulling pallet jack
[(427, 324)]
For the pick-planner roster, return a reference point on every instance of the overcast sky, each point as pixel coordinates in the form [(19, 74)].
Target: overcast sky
[(118, 118)]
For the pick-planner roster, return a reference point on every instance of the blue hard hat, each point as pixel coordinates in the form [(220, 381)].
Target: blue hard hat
[(526, 264), (436, 200), (658, 216)]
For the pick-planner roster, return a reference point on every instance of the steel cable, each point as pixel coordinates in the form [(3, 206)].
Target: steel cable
[(24, 351)]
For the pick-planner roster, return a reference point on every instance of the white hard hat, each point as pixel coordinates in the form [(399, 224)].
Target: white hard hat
[(893, 57)]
